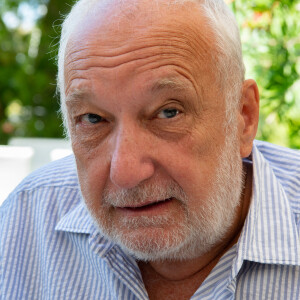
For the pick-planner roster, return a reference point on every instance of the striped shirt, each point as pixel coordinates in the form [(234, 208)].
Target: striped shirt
[(50, 248)]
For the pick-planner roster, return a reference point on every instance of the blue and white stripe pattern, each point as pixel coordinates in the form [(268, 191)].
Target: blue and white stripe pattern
[(50, 248)]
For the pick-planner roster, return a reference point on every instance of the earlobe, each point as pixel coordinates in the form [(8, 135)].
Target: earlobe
[(249, 116)]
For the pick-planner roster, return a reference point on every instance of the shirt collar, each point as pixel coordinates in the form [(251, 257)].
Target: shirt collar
[(79, 220), (270, 232)]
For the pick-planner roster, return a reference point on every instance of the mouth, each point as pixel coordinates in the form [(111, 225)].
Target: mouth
[(153, 206)]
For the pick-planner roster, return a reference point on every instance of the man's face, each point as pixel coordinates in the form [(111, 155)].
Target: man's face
[(147, 129)]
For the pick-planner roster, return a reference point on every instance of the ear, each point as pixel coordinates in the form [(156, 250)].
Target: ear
[(248, 116)]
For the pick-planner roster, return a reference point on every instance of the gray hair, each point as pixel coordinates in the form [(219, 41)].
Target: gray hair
[(227, 56)]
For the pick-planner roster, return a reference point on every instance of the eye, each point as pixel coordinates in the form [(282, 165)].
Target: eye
[(91, 118), (168, 113)]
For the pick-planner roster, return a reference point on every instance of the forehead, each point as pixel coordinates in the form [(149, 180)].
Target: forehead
[(132, 15), (134, 24), (146, 35)]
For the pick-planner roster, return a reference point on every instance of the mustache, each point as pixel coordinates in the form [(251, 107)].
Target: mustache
[(144, 193)]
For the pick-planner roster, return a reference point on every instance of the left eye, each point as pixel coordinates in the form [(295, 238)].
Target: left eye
[(168, 113)]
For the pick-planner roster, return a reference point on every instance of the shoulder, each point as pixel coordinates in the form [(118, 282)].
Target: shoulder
[(285, 164), (278, 154), (46, 193), (281, 159), (32, 250), (60, 173)]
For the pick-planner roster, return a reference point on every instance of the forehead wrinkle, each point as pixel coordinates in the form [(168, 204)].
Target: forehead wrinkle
[(145, 47), (189, 36), (73, 74), (142, 59), (144, 52)]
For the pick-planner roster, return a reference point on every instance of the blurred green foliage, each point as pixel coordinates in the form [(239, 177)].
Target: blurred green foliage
[(271, 44), (28, 104), (29, 33)]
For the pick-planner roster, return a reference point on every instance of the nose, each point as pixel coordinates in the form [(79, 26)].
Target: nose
[(131, 161)]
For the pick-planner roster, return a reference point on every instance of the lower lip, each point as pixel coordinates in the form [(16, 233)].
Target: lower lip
[(153, 209)]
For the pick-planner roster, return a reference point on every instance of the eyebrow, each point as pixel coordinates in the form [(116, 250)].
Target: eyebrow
[(77, 94), (168, 83), (78, 99)]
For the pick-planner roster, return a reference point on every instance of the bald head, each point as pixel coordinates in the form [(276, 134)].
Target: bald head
[(206, 29)]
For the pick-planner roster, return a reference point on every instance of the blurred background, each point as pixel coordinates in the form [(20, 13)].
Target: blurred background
[(31, 132)]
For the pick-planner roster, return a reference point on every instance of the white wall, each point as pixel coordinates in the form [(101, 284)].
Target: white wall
[(22, 156)]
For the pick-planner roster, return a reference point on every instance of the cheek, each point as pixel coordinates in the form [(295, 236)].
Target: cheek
[(92, 172), (196, 165), (197, 181)]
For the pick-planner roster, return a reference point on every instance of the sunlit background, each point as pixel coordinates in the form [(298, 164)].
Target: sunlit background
[(31, 132)]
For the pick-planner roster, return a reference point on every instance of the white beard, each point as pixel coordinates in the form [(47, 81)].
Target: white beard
[(199, 230)]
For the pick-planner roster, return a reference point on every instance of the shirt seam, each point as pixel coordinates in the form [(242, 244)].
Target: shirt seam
[(24, 190)]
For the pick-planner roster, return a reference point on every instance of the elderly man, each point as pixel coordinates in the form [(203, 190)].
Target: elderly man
[(170, 198)]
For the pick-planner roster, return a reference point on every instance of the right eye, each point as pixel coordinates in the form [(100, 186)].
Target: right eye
[(168, 113), (91, 119)]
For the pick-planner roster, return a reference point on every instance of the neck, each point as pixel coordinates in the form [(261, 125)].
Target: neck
[(182, 270), (175, 271)]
